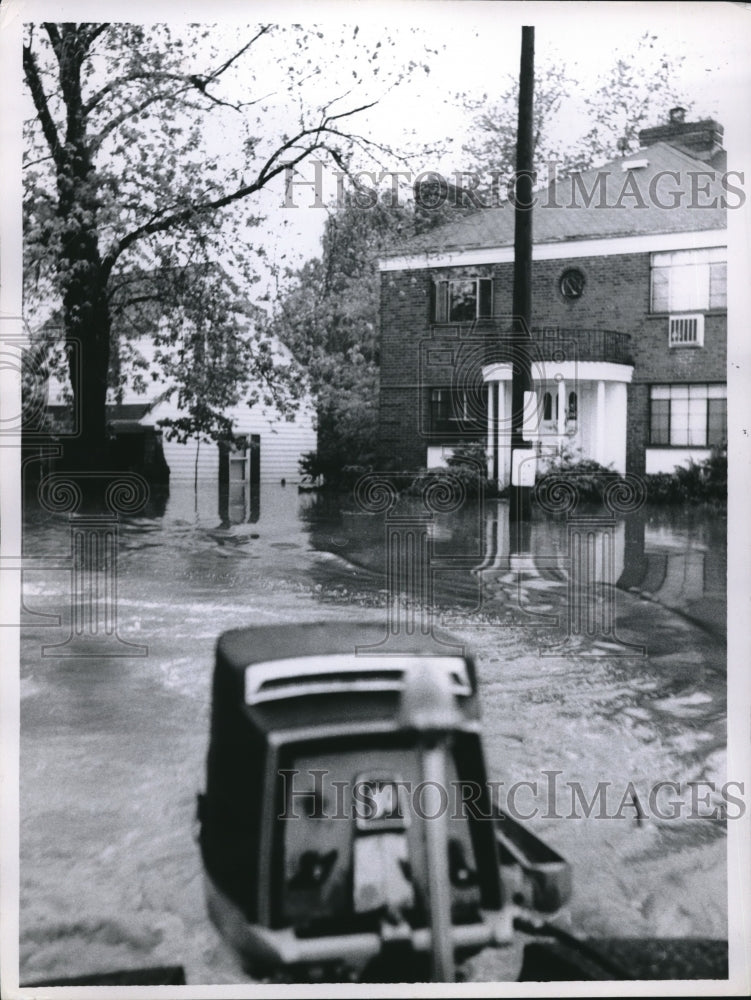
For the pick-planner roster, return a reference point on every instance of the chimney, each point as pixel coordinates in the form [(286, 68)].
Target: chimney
[(702, 139)]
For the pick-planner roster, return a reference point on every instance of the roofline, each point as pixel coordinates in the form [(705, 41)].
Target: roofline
[(563, 250)]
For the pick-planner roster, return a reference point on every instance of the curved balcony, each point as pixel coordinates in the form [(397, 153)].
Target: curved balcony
[(551, 342), (581, 344)]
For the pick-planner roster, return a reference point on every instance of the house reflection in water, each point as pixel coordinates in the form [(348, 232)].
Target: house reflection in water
[(240, 480), (579, 565), (591, 557)]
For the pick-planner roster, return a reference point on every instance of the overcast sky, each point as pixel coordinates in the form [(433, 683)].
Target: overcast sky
[(477, 47)]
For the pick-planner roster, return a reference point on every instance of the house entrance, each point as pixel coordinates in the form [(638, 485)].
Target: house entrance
[(240, 479)]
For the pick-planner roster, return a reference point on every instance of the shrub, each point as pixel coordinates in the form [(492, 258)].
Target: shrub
[(325, 470), (467, 466), (697, 482), (590, 477), (470, 455)]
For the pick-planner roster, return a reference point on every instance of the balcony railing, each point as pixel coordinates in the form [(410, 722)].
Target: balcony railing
[(551, 343), (584, 344)]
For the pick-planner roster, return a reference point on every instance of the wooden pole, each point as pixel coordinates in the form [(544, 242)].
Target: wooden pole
[(521, 380)]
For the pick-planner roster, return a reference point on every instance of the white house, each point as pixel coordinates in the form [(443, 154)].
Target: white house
[(282, 442)]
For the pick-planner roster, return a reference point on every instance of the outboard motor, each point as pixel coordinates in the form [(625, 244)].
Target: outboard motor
[(346, 829)]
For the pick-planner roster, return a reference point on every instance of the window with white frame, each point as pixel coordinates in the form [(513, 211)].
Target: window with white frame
[(461, 300), (689, 280), (688, 415)]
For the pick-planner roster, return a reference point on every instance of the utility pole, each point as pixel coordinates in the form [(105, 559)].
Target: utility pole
[(522, 454)]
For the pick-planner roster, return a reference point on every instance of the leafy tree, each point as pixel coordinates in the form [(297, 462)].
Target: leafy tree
[(329, 318), (141, 151), (492, 149), (194, 334), (625, 100)]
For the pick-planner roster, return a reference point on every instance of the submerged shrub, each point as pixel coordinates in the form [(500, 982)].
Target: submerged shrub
[(590, 478), (465, 472), (696, 482)]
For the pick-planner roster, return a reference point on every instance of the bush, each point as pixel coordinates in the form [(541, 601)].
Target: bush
[(327, 471), (590, 477), (697, 482), (469, 454), (467, 466)]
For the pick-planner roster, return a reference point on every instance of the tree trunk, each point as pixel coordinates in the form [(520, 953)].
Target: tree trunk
[(85, 302), (87, 333)]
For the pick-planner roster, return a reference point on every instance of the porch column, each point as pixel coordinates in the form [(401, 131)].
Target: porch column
[(502, 439), (600, 425), (561, 416), (492, 450)]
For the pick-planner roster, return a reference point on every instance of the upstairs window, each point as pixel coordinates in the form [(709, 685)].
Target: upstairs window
[(462, 300), (689, 280), (686, 415)]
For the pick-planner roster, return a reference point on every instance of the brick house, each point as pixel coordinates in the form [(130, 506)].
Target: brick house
[(629, 329)]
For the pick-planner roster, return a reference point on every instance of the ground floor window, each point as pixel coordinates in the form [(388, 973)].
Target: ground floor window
[(685, 415), (550, 406), (573, 406), (457, 410), (547, 406)]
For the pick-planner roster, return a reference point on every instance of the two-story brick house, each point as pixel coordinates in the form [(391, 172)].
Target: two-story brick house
[(629, 330)]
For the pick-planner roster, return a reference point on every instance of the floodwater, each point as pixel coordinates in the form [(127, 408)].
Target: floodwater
[(582, 683)]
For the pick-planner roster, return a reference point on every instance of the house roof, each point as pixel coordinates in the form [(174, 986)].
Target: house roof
[(628, 196), (125, 416)]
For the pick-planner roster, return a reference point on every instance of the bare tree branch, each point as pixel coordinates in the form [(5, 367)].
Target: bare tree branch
[(199, 82), (32, 163), (263, 30), (96, 99)]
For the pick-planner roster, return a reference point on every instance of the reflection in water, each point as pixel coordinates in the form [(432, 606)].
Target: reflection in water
[(679, 559), (239, 503), (566, 585), (568, 581), (113, 750), (240, 480)]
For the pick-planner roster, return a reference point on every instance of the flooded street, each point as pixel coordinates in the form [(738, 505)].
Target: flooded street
[(113, 747)]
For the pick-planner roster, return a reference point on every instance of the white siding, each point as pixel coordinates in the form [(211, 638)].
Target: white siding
[(283, 441), (281, 448)]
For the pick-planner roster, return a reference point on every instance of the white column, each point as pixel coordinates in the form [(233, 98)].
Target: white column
[(561, 427), (504, 435), (491, 429), (600, 428), (617, 396)]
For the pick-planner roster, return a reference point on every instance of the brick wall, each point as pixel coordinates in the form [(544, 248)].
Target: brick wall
[(416, 357), (405, 312), (616, 297)]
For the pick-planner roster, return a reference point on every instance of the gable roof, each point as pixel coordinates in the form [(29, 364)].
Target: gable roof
[(634, 195)]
